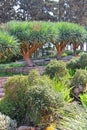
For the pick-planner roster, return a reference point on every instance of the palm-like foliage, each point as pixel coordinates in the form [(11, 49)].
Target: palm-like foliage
[(8, 44), (63, 33), (31, 35), (73, 117)]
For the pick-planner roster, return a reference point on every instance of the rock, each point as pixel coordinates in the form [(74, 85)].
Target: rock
[(26, 128)]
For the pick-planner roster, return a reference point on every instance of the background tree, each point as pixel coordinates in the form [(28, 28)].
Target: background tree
[(31, 35), (73, 11), (36, 9), (7, 11), (64, 33), (28, 10)]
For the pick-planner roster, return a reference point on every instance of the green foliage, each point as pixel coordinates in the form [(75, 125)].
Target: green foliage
[(6, 123), (73, 117), (56, 69), (73, 64), (30, 99), (14, 103), (62, 86), (64, 54), (10, 65), (15, 87), (83, 60), (83, 98), (80, 79), (67, 33), (42, 104), (68, 52), (78, 63), (71, 72), (34, 78), (29, 32), (8, 43)]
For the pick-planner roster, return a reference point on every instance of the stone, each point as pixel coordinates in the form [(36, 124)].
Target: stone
[(26, 128)]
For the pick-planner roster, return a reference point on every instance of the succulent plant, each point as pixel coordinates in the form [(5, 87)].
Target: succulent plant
[(6, 123)]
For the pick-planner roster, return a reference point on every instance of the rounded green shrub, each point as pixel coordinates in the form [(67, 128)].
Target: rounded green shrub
[(42, 103), (14, 102), (56, 69), (78, 63), (73, 64), (16, 87), (6, 123), (83, 60), (79, 81), (30, 99)]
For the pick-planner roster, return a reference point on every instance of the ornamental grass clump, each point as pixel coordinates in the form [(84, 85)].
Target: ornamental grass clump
[(72, 117)]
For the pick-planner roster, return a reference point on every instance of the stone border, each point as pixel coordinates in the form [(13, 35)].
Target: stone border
[(23, 70)]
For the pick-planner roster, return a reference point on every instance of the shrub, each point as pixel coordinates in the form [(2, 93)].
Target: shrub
[(30, 99), (64, 54), (83, 60), (69, 52), (56, 69), (14, 103), (79, 82), (34, 78), (79, 79), (6, 123), (73, 117), (42, 103), (16, 87), (78, 63), (73, 64)]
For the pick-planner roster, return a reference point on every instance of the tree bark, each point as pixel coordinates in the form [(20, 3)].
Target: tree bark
[(59, 53), (28, 61), (60, 47), (74, 48), (26, 52)]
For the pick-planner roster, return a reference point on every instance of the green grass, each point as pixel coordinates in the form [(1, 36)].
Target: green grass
[(8, 74), (11, 65)]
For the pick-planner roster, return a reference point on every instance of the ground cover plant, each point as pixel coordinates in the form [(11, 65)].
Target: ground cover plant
[(6, 123)]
